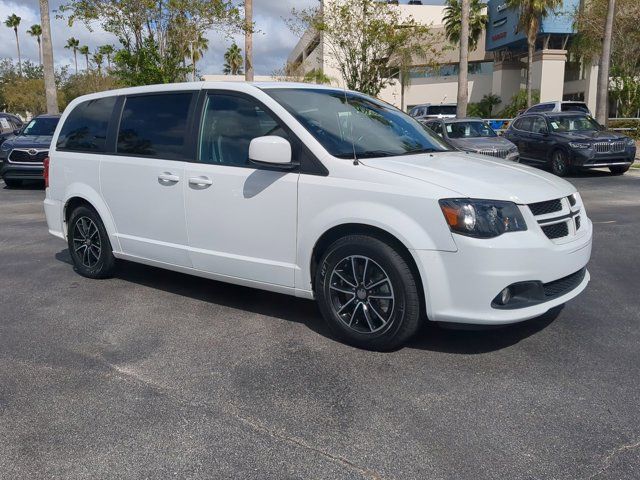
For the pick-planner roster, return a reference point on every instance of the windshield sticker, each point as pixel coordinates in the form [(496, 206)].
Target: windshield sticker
[(554, 125), (4, 123)]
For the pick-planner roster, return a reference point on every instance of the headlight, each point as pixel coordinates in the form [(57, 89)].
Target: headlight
[(579, 145), (631, 142), (5, 147), (482, 218)]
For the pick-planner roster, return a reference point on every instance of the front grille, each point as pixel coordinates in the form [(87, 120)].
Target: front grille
[(543, 208), (493, 152), (609, 147), (564, 285), (557, 230), (22, 156)]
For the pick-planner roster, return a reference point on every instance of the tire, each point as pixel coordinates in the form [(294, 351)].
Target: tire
[(384, 315), (560, 165), (12, 182), (619, 169), (86, 230)]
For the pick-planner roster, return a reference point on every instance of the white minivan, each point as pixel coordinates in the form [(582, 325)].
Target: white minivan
[(315, 192)]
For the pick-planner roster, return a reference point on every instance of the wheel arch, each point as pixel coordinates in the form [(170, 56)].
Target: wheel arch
[(83, 195), (339, 231)]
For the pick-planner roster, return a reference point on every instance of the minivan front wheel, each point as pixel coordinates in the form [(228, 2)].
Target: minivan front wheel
[(89, 244), (367, 293)]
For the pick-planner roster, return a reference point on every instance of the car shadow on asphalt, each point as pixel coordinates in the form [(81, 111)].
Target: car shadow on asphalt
[(433, 337), (26, 185)]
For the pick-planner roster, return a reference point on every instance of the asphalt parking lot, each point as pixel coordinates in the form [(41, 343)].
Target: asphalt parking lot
[(154, 374)]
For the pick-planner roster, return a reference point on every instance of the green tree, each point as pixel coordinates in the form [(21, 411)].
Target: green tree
[(98, 59), (198, 47), (84, 50), (36, 31), (453, 17), (624, 87), (370, 43), (107, 51), (519, 102), (13, 21), (316, 75), (484, 107), (531, 14), (155, 36), (248, 39), (474, 22), (233, 60), (86, 83), (73, 44)]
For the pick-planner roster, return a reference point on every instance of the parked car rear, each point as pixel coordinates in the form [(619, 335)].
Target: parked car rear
[(428, 110), (559, 106)]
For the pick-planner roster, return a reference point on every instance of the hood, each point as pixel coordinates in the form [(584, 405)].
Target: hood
[(478, 176), (472, 144), (591, 135), (30, 141)]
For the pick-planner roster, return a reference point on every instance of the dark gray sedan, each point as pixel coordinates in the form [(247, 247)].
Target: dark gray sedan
[(474, 135)]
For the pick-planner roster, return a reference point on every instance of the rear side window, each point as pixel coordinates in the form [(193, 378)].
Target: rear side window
[(85, 129), (155, 126), (523, 123), (574, 107)]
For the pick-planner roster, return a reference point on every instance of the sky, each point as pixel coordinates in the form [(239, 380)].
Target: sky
[(271, 44)]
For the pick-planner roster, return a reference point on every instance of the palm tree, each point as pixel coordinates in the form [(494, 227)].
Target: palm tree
[(531, 14), (453, 19), (248, 40), (198, 47), (13, 21), (98, 59), (464, 21), (107, 51), (602, 98), (47, 59), (36, 31), (233, 60), (73, 44), (84, 50)]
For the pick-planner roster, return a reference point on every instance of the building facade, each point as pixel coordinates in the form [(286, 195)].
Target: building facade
[(497, 66)]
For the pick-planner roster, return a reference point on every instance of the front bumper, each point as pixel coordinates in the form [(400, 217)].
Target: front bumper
[(21, 171), (461, 286), (587, 158)]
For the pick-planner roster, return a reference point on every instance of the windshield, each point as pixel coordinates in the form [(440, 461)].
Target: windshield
[(352, 125), (573, 123), (469, 130), (41, 126)]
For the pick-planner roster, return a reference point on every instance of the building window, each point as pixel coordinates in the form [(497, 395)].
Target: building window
[(451, 70)]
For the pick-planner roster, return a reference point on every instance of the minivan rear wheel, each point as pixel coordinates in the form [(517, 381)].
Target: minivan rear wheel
[(367, 293), (89, 244)]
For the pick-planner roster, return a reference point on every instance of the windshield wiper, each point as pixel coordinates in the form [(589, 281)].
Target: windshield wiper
[(418, 151)]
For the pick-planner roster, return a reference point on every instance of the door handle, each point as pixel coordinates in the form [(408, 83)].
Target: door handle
[(167, 177), (200, 181)]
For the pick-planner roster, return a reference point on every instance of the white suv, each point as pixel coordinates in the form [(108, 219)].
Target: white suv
[(318, 193)]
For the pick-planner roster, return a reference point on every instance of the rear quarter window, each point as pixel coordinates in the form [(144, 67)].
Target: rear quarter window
[(85, 129), (155, 125)]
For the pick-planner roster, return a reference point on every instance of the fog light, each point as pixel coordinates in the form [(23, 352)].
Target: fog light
[(505, 296)]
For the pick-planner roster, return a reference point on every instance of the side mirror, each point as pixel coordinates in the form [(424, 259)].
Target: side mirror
[(270, 151), (17, 131)]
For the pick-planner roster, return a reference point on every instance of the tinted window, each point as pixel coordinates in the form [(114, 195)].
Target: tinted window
[(349, 124), (155, 125), (44, 126), (442, 110), (574, 107), (573, 123), (469, 130), (539, 125), (523, 123), (85, 129), (436, 127), (230, 123)]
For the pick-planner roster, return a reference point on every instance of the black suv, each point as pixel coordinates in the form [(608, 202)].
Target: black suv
[(567, 140), (21, 156)]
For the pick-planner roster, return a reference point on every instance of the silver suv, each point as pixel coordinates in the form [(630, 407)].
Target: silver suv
[(429, 110), (559, 106)]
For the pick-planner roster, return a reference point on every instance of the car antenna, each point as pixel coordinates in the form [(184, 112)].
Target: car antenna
[(353, 144)]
